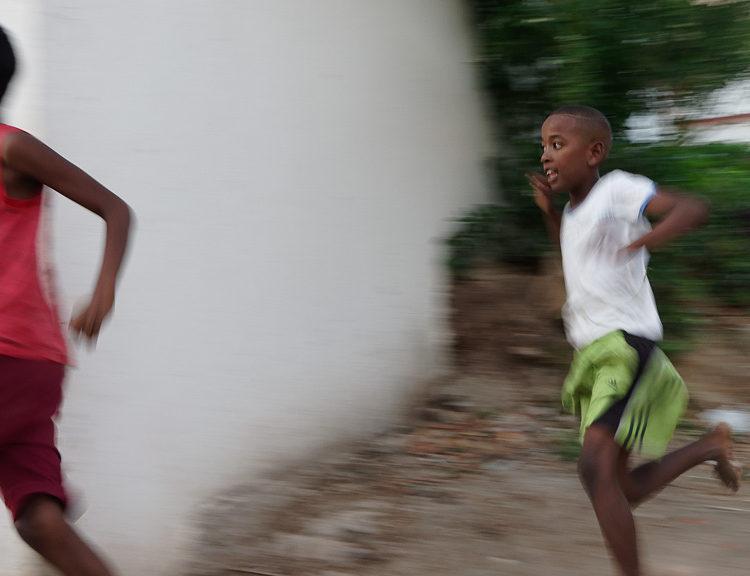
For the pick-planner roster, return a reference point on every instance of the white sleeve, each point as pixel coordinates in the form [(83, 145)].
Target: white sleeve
[(630, 193)]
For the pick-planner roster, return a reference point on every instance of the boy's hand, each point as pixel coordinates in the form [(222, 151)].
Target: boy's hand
[(545, 199), (88, 322), (543, 195)]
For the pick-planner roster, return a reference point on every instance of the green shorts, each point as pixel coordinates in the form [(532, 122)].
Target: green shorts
[(604, 373)]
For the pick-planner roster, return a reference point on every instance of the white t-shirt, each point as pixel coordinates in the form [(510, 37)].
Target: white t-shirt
[(607, 289)]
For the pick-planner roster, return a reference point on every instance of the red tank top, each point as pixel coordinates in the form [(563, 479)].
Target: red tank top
[(29, 325)]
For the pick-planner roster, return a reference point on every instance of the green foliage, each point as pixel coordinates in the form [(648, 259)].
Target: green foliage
[(620, 56), (511, 231), (624, 57), (496, 233)]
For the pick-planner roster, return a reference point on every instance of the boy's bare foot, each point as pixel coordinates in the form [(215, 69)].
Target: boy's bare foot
[(728, 473)]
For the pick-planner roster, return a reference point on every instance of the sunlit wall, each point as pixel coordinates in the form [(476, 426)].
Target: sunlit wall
[(293, 166)]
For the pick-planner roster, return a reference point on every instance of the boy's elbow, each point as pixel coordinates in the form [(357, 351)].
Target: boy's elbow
[(128, 215), (703, 211), (118, 213), (695, 211)]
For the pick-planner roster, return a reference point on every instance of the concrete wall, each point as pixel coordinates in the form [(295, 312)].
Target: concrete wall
[(293, 166)]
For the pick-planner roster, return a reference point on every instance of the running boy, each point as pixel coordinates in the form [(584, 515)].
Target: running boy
[(32, 346), (627, 393)]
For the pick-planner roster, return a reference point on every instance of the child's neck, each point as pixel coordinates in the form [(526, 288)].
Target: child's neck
[(580, 193)]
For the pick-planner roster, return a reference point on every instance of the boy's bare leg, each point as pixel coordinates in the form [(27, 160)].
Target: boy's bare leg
[(647, 479), (42, 526), (598, 468)]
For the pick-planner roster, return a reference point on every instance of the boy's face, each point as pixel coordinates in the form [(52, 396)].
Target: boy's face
[(566, 153)]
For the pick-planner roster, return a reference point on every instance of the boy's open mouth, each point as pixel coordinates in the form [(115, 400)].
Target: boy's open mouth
[(551, 175)]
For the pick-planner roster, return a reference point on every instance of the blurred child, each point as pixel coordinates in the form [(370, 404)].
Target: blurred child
[(33, 351), (627, 393)]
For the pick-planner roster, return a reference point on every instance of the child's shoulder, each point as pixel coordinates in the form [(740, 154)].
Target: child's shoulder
[(7, 128), (616, 175), (621, 181), (9, 135)]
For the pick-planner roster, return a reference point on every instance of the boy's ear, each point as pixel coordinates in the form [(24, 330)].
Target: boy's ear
[(597, 153)]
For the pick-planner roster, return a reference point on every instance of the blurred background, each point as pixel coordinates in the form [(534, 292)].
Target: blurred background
[(331, 213)]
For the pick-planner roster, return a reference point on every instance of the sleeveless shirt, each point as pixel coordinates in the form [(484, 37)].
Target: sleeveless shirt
[(29, 324)]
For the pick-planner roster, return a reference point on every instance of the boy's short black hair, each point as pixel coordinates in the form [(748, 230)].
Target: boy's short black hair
[(591, 115), (7, 62)]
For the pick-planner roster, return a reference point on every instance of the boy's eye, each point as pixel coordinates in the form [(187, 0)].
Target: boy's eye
[(557, 145)]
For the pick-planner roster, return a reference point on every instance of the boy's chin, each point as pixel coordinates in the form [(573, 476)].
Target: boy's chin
[(556, 188), (554, 184)]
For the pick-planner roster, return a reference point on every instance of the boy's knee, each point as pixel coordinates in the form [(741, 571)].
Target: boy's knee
[(588, 471), (40, 520)]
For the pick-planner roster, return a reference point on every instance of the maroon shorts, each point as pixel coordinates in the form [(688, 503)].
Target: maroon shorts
[(30, 395)]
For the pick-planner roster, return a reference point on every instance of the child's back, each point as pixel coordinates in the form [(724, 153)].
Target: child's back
[(29, 325)]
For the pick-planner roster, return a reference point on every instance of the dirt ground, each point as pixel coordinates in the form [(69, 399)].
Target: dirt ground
[(481, 478)]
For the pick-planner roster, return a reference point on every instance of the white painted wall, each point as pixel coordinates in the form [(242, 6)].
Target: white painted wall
[(733, 133), (293, 165)]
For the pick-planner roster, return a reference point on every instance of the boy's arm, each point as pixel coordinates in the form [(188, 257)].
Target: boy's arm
[(544, 198), (678, 213), (27, 155)]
